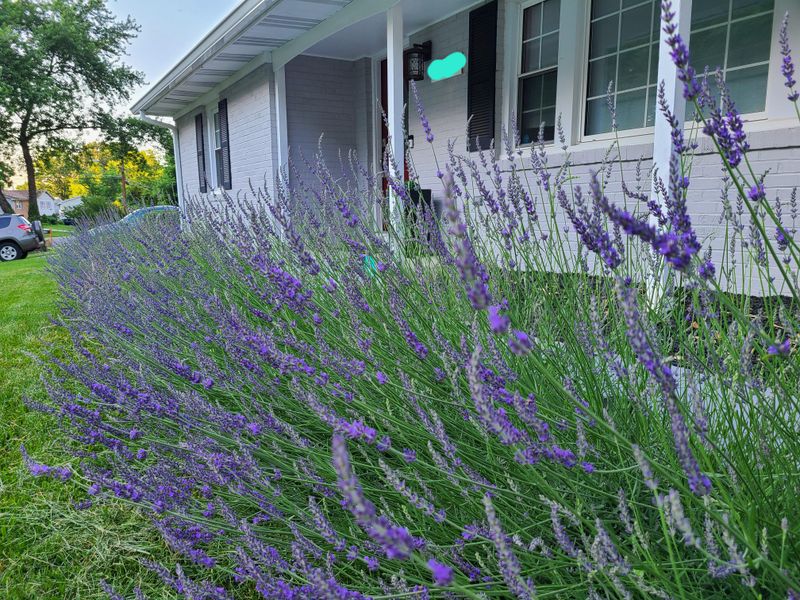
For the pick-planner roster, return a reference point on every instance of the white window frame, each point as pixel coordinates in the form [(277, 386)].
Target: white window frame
[(573, 72), (583, 99), (517, 74), (214, 182)]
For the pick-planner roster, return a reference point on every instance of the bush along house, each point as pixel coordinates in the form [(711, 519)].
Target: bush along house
[(275, 75)]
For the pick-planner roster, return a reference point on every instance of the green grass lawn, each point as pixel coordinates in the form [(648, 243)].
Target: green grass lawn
[(48, 548), (61, 230)]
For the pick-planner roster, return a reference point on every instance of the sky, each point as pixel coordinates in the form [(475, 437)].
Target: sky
[(169, 29)]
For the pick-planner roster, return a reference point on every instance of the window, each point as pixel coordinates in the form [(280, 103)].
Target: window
[(18, 204), (623, 51), (538, 71), (4, 222), (217, 150), (735, 36)]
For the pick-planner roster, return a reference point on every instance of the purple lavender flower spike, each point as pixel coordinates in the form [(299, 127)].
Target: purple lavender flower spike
[(509, 565), (679, 53), (787, 65), (421, 112), (498, 323), (757, 192), (662, 374), (519, 343), (472, 271), (395, 541), (442, 574), (780, 349), (41, 470)]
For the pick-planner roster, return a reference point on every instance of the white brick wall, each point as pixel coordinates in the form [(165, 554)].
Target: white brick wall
[(250, 118), (249, 121)]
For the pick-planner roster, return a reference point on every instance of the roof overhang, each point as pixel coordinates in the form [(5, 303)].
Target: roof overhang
[(259, 32), (243, 39)]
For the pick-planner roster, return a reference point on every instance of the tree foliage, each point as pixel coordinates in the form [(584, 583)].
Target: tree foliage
[(94, 170), (60, 70)]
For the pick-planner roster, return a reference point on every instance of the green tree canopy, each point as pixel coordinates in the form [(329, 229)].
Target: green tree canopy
[(60, 69)]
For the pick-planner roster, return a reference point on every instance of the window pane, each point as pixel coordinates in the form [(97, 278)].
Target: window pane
[(549, 81), (653, 63), (707, 48), (603, 38), (750, 41), (531, 93), (656, 21), (598, 119), (601, 8), (652, 99), (601, 72), (532, 22), (530, 55), (747, 88), (745, 8), (549, 120), (630, 109), (633, 68), (709, 12), (217, 136), (537, 103), (529, 131), (550, 15), (549, 53), (635, 30)]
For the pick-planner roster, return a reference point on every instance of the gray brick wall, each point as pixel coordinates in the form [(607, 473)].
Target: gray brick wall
[(321, 96)]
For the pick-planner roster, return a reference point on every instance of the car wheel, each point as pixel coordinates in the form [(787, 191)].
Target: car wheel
[(10, 251)]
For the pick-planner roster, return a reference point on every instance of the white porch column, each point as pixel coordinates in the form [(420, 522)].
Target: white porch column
[(662, 140), (662, 135), (280, 117), (394, 79)]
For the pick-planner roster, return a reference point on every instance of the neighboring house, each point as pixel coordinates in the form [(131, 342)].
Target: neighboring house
[(19, 202), (276, 74), (67, 205)]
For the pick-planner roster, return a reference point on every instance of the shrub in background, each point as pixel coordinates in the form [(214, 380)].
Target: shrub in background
[(306, 412)]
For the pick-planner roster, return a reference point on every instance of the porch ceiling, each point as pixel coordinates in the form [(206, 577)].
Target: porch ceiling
[(368, 37), (246, 35)]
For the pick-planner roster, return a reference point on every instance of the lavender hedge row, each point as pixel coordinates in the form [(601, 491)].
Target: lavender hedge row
[(307, 408)]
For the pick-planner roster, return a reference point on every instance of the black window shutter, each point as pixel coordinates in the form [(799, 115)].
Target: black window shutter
[(481, 76), (201, 152), (225, 145)]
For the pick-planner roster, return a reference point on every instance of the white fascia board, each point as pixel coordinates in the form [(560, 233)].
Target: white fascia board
[(224, 33), (357, 10)]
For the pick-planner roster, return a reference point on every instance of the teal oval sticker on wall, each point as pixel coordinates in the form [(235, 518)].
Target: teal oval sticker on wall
[(450, 65)]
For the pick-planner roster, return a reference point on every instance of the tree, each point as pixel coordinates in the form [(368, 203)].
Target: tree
[(123, 137), (58, 58), (5, 175), (56, 166)]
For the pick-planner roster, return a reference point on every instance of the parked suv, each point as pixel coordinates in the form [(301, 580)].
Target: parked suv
[(17, 237)]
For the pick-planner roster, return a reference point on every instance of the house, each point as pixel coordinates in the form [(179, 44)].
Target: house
[(67, 205), (274, 75), (19, 202)]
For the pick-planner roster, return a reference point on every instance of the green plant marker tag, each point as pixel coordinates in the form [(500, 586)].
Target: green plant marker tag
[(448, 66), (370, 266)]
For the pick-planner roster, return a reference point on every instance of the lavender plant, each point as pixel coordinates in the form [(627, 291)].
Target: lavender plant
[(304, 410)]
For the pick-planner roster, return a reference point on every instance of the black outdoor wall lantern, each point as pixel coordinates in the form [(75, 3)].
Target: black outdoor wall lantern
[(415, 60)]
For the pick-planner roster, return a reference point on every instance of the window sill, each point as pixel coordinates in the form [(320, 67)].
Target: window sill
[(762, 133)]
